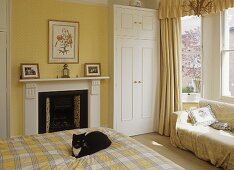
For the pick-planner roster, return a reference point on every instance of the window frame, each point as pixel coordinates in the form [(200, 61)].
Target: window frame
[(222, 51)]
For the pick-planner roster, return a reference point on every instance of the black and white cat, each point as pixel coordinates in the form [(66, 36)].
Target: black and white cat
[(89, 143)]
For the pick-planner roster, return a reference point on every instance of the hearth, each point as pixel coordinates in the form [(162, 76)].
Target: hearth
[(62, 110)]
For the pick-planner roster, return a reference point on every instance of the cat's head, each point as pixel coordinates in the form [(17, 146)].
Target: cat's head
[(78, 141)]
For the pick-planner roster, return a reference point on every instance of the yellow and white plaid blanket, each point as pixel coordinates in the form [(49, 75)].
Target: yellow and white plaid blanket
[(54, 150)]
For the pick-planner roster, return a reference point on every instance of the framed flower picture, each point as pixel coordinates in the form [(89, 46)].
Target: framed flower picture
[(63, 42), (29, 71)]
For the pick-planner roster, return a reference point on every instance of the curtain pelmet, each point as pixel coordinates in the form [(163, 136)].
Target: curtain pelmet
[(170, 9), (180, 8)]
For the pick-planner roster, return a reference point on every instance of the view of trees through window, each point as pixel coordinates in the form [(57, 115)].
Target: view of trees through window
[(191, 54)]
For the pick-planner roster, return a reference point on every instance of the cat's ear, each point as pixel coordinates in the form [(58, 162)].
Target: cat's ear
[(74, 136), (83, 135)]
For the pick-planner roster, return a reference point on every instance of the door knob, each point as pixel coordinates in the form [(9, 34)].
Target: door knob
[(135, 82), (139, 81)]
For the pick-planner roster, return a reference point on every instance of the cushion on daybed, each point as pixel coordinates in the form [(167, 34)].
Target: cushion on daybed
[(202, 116), (221, 126), (224, 112)]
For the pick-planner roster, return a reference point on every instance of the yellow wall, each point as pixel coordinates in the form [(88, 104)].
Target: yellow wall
[(29, 44)]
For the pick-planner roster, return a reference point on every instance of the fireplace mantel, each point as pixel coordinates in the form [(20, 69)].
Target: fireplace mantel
[(63, 79), (33, 86)]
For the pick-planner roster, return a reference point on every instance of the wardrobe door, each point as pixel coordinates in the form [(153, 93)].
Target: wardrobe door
[(3, 87), (140, 23), (125, 22), (148, 79), (124, 84), (134, 86), (146, 24)]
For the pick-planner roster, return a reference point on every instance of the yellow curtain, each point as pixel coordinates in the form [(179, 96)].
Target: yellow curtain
[(179, 8), (170, 12), (170, 30)]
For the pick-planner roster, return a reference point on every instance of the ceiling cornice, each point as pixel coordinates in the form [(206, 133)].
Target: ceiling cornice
[(96, 2)]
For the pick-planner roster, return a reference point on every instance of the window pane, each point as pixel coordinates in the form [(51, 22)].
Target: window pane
[(191, 54), (229, 29), (228, 54), (228, 73)]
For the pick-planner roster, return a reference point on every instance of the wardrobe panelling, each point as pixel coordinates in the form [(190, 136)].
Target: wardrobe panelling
[(135, 22)]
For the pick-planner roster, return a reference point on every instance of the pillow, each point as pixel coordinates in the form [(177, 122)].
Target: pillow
[(202, 116), (221, 126)]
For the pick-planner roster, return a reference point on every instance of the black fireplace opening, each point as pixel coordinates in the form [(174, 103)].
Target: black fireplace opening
[(62, 110)]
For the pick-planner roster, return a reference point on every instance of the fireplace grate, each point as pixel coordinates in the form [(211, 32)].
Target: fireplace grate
[(63, 110)]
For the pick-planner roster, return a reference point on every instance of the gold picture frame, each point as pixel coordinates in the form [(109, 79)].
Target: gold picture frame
[(63, 42)]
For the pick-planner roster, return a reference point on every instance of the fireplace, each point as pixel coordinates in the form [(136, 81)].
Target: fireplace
[(62, 110), (32, 88)]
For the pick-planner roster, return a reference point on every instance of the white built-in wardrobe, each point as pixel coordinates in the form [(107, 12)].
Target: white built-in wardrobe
[(135, 69), (3, 68)]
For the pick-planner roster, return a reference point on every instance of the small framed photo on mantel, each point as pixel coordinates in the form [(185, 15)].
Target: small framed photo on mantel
[(30, 71), (92, 69)]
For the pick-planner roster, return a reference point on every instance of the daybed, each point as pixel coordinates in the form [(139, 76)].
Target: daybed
[(54, 150), (216, 146)]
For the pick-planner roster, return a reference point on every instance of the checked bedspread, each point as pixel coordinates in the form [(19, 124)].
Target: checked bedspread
[(54, 150)]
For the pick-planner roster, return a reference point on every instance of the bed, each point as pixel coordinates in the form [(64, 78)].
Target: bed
[(54, 150)]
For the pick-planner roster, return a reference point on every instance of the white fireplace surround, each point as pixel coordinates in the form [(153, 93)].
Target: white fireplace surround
[(33, 86)]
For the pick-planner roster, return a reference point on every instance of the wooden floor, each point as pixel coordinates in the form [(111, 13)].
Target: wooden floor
[(162, 145)]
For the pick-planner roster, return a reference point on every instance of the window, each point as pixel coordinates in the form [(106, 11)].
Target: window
[(191, 54), (228, 54)]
